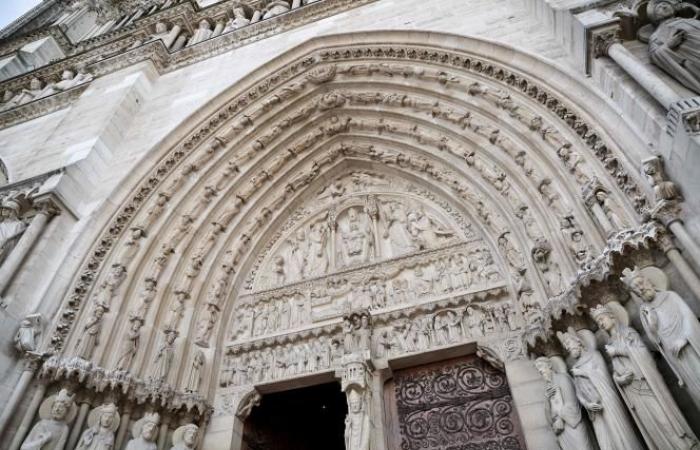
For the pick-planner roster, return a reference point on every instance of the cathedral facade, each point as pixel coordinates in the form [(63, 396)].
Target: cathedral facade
[(350, 224)]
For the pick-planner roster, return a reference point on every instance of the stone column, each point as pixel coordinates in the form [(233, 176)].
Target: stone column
[(78, 425), (123, 428), (24, 246), (609, 44), (172, 36), (688, 243), (379, 378), (686, 272), (28, 417), (225, 430), (30, 366), (163, 435), (527, 389)]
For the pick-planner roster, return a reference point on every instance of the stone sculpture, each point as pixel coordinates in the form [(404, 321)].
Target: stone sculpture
[(194, 378), (562, 408), (11, 226), (130, 344), (185, 437), (671, 326), (145, 433), (551, 273), (51, 432), (674, 44), (652, 406), (28, 333), (239, 20), (103, 421), (275, 8), (357, 430), (597, 393), (164, 357), (90, 338)]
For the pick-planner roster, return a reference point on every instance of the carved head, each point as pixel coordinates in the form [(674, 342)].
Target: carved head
[(204, 24), (149, 429), (61, 406), (544, 367), (354, 401), (190, 434), (642, 286), (108, 416), (603, 317), (660, 10), (571, 342), (601, 196)]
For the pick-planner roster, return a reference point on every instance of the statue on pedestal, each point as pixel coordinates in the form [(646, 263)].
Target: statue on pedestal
[(597, 393), (103, 421), (145, 433), (562, 408), (29, 331), (51, 432), (357, 421), (652, 406), (185, 437), (671, 326)]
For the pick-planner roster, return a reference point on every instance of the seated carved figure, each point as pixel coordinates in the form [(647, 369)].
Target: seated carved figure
[(674, 45)]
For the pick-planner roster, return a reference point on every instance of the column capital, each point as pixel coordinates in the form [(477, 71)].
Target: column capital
[(665, 243), (603, 38)]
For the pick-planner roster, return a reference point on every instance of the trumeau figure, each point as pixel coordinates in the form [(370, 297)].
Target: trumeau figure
[(103, 421), (145, 432), (562, 408), (652, 406), (597, 393), (670, 325), (51, 432), (674, 44), (357, 427), (29, 331), (185, 437)]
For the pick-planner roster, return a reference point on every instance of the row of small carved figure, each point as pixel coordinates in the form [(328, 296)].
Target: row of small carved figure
[(446, 327), (284, 361), (425, 280), (58, 411), (628, 392), (38, 89), (174, 40)]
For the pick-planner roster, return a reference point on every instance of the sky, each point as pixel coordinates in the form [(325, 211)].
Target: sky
[(12, 9)]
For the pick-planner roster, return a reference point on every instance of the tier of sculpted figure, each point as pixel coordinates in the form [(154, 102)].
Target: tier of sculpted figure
[(674, 43), (610, 208), (185, 437), (36, 86), (357, 423), (205, 325), (671, 326), (579, 248), (551, 273), (108, 288), (202, 33), (512, 255), (194, 377), (28, 333), (130, 344), (650, 402), (238, 20), (163, 361), (145, 432), (51, 431), (562, 408), (102, 421), (11, 226), (597, 393), (69, 79), (90, 337)]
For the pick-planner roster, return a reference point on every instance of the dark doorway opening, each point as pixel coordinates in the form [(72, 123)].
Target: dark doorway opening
[(311, 418)]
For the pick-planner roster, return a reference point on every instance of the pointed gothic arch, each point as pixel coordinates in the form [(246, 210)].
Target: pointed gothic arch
[(489, 135)]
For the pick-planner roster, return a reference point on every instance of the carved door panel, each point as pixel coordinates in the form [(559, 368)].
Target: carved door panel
[(460, 404)]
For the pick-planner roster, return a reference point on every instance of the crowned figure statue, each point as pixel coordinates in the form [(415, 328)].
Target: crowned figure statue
[(145, 433), (103, 421), (185, 437), (51, 431)]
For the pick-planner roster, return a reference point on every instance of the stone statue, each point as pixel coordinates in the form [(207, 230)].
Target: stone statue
[(194, 379), (396, 230), (28, 333), (90, 337), (596, 391), (562, 408), (357, 430), (164, 358), (11, 226), (51, 432), (317, 255), (610, 209), (652, 406), (145, 433), (357, 239), (551, 274), (511, 254), (109, 286), (671, 326), (130, 344), (275, 8), (185, 437), (239, 20), (202, 33), (674, 45), (426, 231), (103, 421)]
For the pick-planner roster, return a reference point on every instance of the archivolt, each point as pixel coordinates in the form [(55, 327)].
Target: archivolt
[(513, 153)]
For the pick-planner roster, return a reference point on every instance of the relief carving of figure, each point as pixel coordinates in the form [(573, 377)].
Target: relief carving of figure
[(610, 209), (90, 337), (28, 333), (51, 432), (357, 425), (145, 433), (11, 226), (396, 230), (194, 378), (356, 239), (239, 20), (297, 256), (130, 344), (109, 286), (426, 231), (674, 44), (185, 437), (317, 260), (671, 326), (634, 371), (597, 392), (562, 408), (163, 361), (103, 421), (551, 274)]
